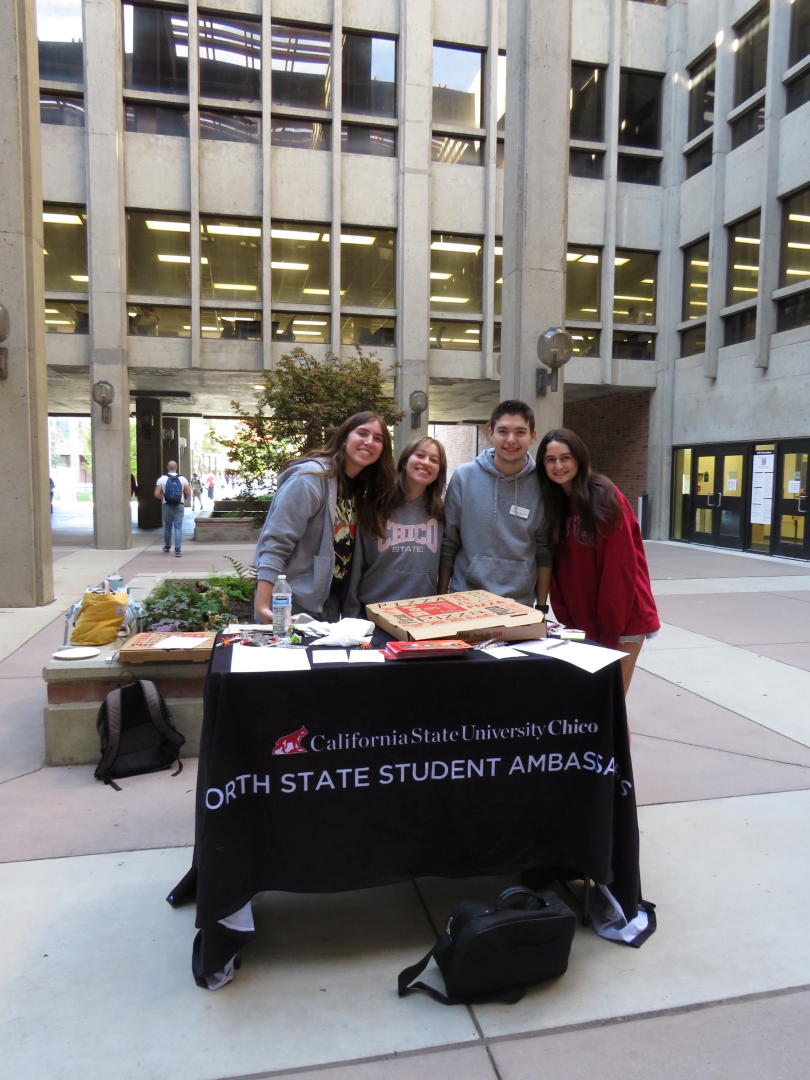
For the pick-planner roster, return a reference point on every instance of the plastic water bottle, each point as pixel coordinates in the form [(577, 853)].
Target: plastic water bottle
[(282, 607)]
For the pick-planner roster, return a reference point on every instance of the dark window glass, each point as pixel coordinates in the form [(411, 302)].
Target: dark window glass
[(695, 280), (237, 325), (366, 330), (638, 170), (368, 267), (699, 159), (302, 65), (369, 75), (306, 328), (457, 86), (377, 142), (300, 263), (640, 110), (795, 262), (740, 327), (147, 320), (155, 49), (499, 154), (155, 119), (634, 287), (230, 127), (63, 317), (584, 163), (454, 150), (65, 236), (586, 342), (496, 337), (582, 283), (230, 57), (799, 31), (793, 311), (498, 275), (701, 96), (500, 97), (158, 253), (230, 258), (61, 109), (300, 134), (750, 62), (456, 268), (743, 260), (633, 345), (59, 29), (693, 341), (587, 103), (448, 334), (798, 92), (658, 3), (748, 125)]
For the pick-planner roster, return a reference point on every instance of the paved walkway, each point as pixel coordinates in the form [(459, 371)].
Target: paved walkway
[(96, 980)]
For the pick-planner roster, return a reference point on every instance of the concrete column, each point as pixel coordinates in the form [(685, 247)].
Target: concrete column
[(535, 194), (194, 177), (25, 532), (771, 220), (149, 448), (107, 268), (490, 225), (267, 102), (337, 215), (607, 275), (413, 225)]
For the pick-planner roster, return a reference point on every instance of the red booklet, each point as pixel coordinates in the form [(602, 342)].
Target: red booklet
[(401, 650)]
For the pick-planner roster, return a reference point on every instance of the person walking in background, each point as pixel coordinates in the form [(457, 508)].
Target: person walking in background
[(210, 485), (196, 490), (171, 488)]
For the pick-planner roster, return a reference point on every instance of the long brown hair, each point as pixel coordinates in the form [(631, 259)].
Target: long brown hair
[(434, 492), (594, 497), (372, 485)]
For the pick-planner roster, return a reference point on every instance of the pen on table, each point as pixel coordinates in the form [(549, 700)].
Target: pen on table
[(556, 645)]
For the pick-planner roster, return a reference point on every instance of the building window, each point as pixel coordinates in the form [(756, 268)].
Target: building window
[(633, 345), (500, 93), (302, 65), (634, 287), (636, 169), (748, 125), (217, 126), (793, 311), (230, 258), (65, 238), (300, 263), (453, 334), (368, 268), (740, 327), (457, 80), (699, 159), (59, 29), (795, 260), (743, 260), (496, 337), (586, 342), (695, 281), (150, 320), (498, 275), (701, 95), (155, 119), (300, 134), (640, 110), (64, 110), (230, 57), (63, 317), (799, 31), (367, 330), (456, 265), (798, 92), (587, 103), (582, 284), (241, 325), (158, 253), (309, 328), (588, 164), (369, 75), (372, 141), (456, 150), (155, 49), (693, 341), (751, 48)]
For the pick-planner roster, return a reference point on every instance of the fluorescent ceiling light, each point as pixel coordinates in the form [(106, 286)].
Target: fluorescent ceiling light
[(435, 276), (293, 234), (499, 281), (188, 328), (697, 303), (61, 322), (316, 292), (289, 266), (799, 217), (309, 322), (474, 330), (169, 226), (307, 333), (237, 318), (742, 266), (446, 245), (348, 238), (84, 277), (742, 288), (593, 309), (699, 262), (233, 230), (698, 285), (647, 281), (52, 311), (498, 250), (802, 247), (455, 299), (796, 273), (240, 288), (259, 386), (174, 258), (62, 219), (572, 256), (204, 261), (577, 337), (620, 262), (593, 259), (748, 239), (210, 329), (641, 299)]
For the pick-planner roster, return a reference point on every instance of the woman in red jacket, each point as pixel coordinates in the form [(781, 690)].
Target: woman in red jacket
[(600, 583)]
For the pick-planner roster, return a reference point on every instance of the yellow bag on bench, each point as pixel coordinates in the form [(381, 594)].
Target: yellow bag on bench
[(100, 618)]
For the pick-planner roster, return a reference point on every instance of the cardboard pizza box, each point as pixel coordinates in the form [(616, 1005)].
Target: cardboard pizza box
[(144, 648), (470, 616)]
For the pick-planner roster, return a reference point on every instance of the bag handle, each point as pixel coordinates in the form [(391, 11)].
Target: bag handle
[(509, 996), (518, 891)]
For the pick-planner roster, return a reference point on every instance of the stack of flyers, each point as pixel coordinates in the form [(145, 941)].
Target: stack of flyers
[(402, 650)]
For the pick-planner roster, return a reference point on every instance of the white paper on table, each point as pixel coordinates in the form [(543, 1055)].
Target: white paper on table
[(330, 656), (252, 658), (503, 652), (366, 656), (246, 627), (176, 642), (537, 648), (590, 658)]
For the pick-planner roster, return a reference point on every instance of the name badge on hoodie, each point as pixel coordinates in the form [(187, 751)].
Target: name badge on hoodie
[(518, 511)]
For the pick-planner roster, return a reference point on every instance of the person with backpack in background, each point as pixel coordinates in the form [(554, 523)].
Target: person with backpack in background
[(171, 489)]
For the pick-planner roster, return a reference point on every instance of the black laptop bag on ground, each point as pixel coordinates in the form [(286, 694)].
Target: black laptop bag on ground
[(137, 733), (493, 954)]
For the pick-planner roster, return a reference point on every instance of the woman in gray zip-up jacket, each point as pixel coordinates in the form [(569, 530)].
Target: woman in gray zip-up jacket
[(321, 498)]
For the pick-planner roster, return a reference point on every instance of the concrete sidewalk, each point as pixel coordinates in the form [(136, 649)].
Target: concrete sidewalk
[(97, 976)]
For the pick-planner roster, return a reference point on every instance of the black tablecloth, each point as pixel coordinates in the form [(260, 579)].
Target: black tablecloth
[(346, 776)]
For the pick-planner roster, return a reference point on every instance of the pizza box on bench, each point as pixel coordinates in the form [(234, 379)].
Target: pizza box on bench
[(470, 616), (145, 648)]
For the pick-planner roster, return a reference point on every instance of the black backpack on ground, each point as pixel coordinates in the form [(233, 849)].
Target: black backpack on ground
[(173, 490), (494, 953), (137, 733)]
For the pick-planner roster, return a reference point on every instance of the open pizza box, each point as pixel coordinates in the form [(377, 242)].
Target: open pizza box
[(470, 616)]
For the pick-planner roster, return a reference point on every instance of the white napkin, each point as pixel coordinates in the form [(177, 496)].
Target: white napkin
[(343, 634)]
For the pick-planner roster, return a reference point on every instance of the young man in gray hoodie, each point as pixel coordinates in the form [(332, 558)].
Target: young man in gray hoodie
[(495, 532)]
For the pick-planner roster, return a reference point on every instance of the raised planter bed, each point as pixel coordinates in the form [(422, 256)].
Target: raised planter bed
[(219, 525)]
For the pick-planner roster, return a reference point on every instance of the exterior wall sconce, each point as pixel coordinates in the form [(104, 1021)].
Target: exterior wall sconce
[(168, 434), (5, 330), (182, 442), (417, 402), (554, 348), (104, 395), (147, 420)]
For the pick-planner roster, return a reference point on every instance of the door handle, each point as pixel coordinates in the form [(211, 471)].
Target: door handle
[(799, 508), (709, 498), (719, 498)]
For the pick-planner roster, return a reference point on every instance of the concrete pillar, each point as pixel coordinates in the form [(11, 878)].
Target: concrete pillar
[(194, 177), (535, 194), (107, 269), (184, 450), (149, 444), (267, 152), (607, 275), (337, 215), (413, 225), (25, 532)]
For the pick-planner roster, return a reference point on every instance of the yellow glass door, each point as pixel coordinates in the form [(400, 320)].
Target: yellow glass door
[(791, 493)]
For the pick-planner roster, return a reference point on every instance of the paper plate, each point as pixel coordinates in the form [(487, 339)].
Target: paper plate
[(78, 652)]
